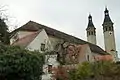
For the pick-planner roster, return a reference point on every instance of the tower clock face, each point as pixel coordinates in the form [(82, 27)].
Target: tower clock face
[(110, 33)]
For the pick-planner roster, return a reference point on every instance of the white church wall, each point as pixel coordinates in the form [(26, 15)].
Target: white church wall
[(89, 54), (49, 60), (41, 38), (47, 77), (110, 45), (109, 41), (91, 39), (54, 40)]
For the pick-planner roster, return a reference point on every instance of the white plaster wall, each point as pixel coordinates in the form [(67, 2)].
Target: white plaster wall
[(109, 41), (47, 77), (91, 39), (52, 60), (12, 40), (54, 40), (83, 56), (90, 53), (41, 38), (49, 60)]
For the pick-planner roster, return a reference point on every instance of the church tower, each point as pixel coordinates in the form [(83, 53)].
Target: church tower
[(109, 38), (91, 31)]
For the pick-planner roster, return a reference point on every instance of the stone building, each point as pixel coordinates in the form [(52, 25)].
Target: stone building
[(67, 48)]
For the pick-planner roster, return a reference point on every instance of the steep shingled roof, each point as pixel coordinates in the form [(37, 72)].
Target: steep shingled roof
[(107, 18), (90, 23), (33, 26)]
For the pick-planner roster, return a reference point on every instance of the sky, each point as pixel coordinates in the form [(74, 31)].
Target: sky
[(69, 16)]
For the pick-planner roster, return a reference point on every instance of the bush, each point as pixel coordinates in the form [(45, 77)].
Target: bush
[(20, 64)]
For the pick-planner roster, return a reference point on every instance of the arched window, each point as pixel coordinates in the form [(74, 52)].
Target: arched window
[(110, 28), (88, 33), (94, 32), (105, 29), (91, 33)]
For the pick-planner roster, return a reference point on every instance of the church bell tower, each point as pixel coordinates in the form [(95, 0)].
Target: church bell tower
[(109, 38), (91, 31)]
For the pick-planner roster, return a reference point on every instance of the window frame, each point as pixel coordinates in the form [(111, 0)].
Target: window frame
[(42, 47)]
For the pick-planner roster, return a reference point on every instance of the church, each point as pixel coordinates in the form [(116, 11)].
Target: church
[(64, 48), (108, 31)]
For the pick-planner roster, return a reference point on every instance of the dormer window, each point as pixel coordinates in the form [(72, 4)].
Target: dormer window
[(42, 47)]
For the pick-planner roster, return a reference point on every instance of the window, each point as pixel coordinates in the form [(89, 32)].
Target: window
[(110, 33), (50, 68), (110, 28), (42, 47), (106, 29), (91, 33), (88, 33), (88, 57)]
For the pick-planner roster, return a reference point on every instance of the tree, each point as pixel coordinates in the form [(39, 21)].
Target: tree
[(4, 34), (83, 72), (100, 70), (107, 69), (20, 64), (60, 73)]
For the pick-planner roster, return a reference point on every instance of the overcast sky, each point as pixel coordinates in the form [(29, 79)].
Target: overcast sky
[(69, 16)]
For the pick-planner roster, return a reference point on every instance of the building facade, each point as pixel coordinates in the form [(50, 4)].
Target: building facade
[(109, 36), (108, 31), (66, 49)]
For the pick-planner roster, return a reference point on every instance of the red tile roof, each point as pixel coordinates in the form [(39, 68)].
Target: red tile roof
[(24, 41)]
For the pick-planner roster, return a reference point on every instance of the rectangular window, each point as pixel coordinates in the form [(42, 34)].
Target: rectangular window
[(50, 68), (42, 47), (92, 33), (88, 57)]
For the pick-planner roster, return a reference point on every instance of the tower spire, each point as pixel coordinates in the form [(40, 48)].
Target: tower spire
[(90, 23), (91, 33), (107, 17), (106, 11)]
